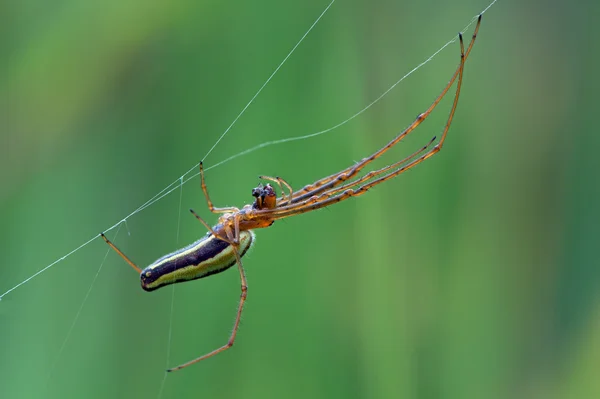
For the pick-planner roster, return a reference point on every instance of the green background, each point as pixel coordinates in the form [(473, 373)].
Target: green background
[(475, 275)]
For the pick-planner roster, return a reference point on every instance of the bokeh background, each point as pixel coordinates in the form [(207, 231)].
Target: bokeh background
[(475, 275)]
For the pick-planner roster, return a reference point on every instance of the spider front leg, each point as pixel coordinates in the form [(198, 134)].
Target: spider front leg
[(212, 208), (334, 195)]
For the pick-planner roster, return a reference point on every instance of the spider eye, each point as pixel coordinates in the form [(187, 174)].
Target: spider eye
[(269, 190), (257, 191)]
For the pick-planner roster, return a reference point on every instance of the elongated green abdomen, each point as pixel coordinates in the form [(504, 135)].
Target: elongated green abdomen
[(207, 256)]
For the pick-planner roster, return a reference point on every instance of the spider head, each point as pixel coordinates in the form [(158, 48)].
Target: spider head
[(265, 197)]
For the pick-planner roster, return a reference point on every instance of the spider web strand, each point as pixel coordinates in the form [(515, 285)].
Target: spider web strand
[(269, 79)]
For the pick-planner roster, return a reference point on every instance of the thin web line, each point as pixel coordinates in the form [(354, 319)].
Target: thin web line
[(269, 79), (179, 213), (173, 186), (169, 340), (87, 295)]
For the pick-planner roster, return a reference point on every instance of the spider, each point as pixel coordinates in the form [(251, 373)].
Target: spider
[(225, 243)]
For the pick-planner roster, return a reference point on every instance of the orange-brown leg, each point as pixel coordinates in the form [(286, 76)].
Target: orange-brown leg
[(229, 344), (121, 254), (208, 227), (212, 208), (233, 238), (333, 180), (336, 190), (325, 199)]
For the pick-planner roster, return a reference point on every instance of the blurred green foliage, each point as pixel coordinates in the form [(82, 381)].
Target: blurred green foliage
[(474, 275)]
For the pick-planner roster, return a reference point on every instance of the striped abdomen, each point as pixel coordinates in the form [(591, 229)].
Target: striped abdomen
[(207, 256)]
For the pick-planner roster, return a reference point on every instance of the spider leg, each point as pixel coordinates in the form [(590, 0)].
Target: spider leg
[(372, 174), (121, 254), (348, 173), (336, 190), (333, 180), (212, 208), (231, 340), (289, 187), (330, 197), (236, 230), (208, 227), (233, 238)]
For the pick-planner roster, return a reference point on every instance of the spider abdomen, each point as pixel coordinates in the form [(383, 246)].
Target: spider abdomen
[(205, 257)]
